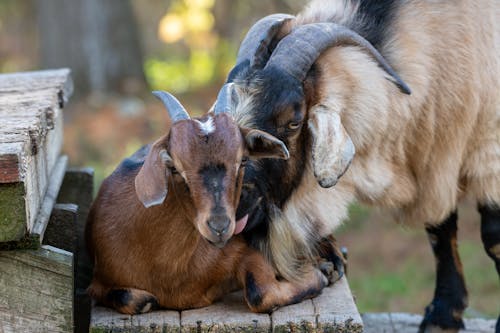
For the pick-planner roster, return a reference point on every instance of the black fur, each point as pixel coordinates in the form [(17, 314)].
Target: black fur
[(374, 19), (133, 163), (308, 293), (252, 291), (119, 297), (213, 181), (490, 230), (450, 295), (266, 175)]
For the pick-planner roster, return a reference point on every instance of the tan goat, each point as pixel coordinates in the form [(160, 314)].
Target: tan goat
[(319, 83)]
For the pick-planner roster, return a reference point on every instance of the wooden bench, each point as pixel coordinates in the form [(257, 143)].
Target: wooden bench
[(332, 311)]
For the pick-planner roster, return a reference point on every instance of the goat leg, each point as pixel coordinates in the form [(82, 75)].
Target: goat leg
[(450, 296), (490, 234), (125, 300), (264, 292), (330, 253)]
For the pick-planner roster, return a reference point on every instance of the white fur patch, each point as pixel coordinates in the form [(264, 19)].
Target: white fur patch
[(208, 126)]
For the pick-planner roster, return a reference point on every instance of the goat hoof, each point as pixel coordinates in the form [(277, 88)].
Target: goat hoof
[(329, 270), (441, 317)]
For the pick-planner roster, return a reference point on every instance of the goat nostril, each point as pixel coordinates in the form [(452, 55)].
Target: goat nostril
[(219, 225)]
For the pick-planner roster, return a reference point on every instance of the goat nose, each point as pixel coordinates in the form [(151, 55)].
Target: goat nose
[(219, 225)]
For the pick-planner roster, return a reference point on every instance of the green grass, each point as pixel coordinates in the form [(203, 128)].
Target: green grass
[(392, 268)]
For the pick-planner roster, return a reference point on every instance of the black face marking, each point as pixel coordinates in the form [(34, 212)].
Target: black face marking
[(276, 92), (450, 296), (213, 181), (253, 294), (374, 20)]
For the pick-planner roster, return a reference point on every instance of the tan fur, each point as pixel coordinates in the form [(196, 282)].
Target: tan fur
[(419, 154), (416, 155)]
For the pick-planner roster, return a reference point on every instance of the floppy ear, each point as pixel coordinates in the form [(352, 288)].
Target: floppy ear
[(263, 145), (151, 181), (332, 148)]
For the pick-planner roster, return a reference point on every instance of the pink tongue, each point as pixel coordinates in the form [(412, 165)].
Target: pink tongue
[(240, 224)]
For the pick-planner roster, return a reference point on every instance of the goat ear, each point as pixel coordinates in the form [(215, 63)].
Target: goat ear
[(151, 181), (263, 145), (332, 148)]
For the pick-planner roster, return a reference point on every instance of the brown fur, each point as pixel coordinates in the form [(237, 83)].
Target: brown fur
[(160, 256)]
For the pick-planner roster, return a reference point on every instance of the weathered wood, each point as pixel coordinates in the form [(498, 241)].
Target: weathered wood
[(336, 310), (12, 208), (61, 229), (56, 78), (105, 320), (230, 315), (36, 290), (77, 188), (30, 141), (320, 314), (298, 318), (49, 200)]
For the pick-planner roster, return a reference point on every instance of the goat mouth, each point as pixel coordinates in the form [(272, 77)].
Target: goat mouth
[(220, 244), (240, 225)]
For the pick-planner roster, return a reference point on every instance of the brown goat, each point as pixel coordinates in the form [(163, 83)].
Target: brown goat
[(174, 251)]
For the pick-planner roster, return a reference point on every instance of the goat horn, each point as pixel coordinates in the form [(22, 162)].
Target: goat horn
[(254, 49), (224, 99), (299, 50), (174, 107)]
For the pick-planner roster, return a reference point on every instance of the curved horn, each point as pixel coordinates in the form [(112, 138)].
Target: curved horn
[(174, 107), (254, 48), (224, 99), (299, 50)]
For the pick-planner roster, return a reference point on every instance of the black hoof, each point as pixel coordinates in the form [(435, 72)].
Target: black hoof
[(442, 315), (332, 273)]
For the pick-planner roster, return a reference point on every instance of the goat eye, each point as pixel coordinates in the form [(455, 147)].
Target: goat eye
[(174, 171), (244, 161), (293, 125)]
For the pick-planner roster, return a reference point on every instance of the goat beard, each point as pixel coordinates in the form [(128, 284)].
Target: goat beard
[(240, 225)]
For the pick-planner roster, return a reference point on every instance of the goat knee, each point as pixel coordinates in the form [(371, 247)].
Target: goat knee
[(265, 294), (125, 300)]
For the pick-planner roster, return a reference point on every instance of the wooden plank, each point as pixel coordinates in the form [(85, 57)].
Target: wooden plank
[(336, 310), (12, 212), (77, 188), (30, 142), (61, 228), (36, 290), (157, 322), (58, 78), (333, 311), (299, 318), (11, 161), (43, 215), (229, 315), (104, 320)]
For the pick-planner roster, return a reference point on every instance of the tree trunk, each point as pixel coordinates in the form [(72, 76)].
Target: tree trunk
[(97, 39)]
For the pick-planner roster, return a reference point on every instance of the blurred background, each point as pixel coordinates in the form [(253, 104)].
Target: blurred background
[(120, 50)]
